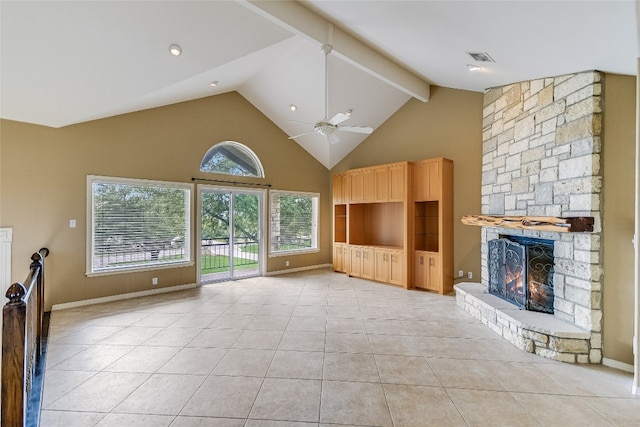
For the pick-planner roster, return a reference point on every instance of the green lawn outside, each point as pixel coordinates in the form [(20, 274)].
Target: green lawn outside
[(223, 262)]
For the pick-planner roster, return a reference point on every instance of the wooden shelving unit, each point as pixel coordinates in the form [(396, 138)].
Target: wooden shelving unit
[(373, 205), (390, 221), (433, 225)]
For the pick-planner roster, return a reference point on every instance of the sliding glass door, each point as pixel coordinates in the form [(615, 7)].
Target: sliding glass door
[(230, 233)]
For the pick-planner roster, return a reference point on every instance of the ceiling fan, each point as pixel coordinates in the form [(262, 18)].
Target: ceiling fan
[(327, 127)]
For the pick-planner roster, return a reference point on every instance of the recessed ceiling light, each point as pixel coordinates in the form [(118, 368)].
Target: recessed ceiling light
[(481, 56), (292, 107), (473, 67), (175, 50), (214, 83)]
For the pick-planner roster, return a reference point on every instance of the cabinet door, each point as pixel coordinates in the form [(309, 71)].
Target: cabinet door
[(339, 188), (368, 185), (339, 258), (397, 183), (368, 263), (382, 265), (420, 181), (396, 267), (355, 187), (433, 181), (355, 262), (382, 184), (426, 181), (433, 272), (420, 270)]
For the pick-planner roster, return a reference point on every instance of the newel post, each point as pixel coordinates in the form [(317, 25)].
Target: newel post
[(14, 316)]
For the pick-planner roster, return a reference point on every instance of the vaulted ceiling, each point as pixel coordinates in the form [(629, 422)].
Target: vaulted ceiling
[(65, 62)]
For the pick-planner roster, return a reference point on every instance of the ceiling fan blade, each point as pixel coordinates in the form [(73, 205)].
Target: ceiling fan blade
[(357, 129), (302, 134), (301, 123), (338, 118), (333, 138)]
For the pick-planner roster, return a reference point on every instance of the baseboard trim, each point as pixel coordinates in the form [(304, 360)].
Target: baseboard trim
[(617, 365), (295, 270), (149, 292), (120, 297)]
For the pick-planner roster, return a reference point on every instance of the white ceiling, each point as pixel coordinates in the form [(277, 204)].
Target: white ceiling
[(65, 62)]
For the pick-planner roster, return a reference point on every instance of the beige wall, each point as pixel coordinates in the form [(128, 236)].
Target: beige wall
[(46, 168), (618, 216), (449, 125)]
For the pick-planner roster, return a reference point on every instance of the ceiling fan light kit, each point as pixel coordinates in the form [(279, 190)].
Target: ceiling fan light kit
[(327, 127)]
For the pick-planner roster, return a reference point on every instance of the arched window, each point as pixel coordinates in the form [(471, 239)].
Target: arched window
[(232, 158)]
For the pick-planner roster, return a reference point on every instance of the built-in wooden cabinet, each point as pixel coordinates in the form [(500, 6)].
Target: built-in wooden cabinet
[(427, 271), (382, 183), (432, 224), (362, 186), (427, 179), (340, 189), (340, 257), (398, 182), (355, 185), (362, 262), (368, 185), (389, 266), (390, 219), (379, 184)]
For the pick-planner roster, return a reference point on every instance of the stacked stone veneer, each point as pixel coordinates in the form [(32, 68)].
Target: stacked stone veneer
[(541, 157)]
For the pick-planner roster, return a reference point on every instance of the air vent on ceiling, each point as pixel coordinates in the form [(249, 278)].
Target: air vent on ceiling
[(481, 56)]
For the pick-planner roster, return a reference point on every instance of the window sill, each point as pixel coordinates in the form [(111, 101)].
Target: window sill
[(139, 269), (291, 253)]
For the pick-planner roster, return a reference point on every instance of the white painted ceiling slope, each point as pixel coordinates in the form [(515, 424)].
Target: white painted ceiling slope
[(67, 62)]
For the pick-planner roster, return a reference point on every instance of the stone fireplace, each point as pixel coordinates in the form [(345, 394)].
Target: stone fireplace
[(541, 157)]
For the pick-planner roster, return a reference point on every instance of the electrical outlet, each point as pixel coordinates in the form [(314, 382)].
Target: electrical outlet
[(470, 275), (72, 223), (154, 281), (286, 263), (460, 273)]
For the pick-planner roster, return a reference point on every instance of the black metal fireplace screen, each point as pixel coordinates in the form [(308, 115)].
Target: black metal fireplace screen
[(521, 271)]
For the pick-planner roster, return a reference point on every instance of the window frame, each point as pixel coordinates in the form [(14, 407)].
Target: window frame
[(315, 238), (237, 146), (90, 229)]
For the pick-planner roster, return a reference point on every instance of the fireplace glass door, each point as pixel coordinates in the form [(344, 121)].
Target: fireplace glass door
[(521, 272)]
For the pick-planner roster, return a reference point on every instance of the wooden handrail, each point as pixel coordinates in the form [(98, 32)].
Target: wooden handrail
[(22, 342)]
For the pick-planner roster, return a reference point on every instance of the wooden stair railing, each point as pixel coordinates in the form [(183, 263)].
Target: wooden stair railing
[(22, 346)]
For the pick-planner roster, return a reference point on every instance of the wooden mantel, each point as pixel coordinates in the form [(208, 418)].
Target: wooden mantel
[(540, 223)]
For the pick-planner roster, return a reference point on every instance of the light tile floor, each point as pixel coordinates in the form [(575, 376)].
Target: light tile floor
[(310, 349)]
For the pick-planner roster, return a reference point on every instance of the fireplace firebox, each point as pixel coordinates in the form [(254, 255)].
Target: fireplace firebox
[(521, 272)]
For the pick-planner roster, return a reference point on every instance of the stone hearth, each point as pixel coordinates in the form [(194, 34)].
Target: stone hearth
[(541, 157)]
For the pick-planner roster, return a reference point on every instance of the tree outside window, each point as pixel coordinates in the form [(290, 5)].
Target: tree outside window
[(294, 222)]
